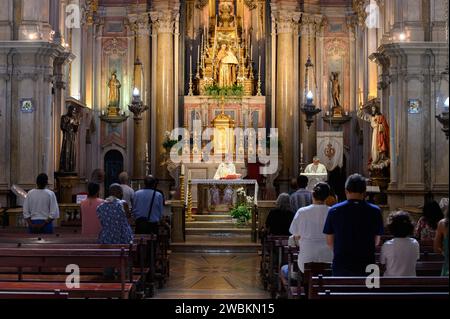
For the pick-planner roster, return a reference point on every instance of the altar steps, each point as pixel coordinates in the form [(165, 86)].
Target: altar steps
[(211, 230), (213, 218)]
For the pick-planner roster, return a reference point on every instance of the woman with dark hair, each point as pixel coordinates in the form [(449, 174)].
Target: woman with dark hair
[(90, 225), (441, 239), (401, 253), (307, 228), (427, 224), (280, 218)]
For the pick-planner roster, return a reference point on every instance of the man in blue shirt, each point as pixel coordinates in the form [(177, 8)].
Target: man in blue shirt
[(353, 230), (148, 218), (302, 197)]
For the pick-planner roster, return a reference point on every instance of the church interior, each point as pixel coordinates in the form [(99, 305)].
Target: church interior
[(217, 118)]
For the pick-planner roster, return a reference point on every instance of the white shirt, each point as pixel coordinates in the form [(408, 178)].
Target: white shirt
[(400, 256), (316, 169), (128, 194), (40, 204), (308, 224)]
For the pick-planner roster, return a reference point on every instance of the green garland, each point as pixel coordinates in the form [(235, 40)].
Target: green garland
[(216, 91)]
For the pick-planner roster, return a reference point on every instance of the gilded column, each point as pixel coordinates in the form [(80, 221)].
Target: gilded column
[(163, 22), (285, 26)]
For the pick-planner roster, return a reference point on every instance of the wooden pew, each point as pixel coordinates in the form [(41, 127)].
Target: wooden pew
[(86, 290), (56, 294), (54, 258), (390, 287)]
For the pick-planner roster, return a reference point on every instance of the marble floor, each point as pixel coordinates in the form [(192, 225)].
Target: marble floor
[(213, 276)]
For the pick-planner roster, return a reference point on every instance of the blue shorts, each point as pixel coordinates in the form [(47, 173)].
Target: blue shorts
[(47, 229)]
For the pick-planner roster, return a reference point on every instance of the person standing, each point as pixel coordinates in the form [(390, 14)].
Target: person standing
[(115, 228), (128, 192), (90, 224), (302, 197), (148, 207), (40, 207), (353, 230)]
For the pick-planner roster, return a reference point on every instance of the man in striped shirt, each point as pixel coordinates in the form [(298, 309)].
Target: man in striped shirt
[(302, 197)]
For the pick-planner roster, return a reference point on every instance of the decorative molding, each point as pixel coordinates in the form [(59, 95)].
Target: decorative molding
[(359, 7), (251, 4), (200, 4), (139, 23), (113, 47)]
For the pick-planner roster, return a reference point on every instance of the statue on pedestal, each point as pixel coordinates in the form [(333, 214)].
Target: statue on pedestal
[(69, 127), (379, 149), (114, 91), (336, 94)]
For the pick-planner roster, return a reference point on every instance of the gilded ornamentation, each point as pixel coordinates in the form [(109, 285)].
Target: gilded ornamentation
[(251, 4), (359, 7)]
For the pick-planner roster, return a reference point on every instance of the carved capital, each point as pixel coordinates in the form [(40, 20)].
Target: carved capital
[(164, 21), (359, 7), (139, 23), (286, 21), (89, 12), (312, 23)]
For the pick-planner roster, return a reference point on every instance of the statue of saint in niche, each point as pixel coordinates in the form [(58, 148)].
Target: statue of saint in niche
[(69, 127), (114, 91), (227, 64), (336, 94)]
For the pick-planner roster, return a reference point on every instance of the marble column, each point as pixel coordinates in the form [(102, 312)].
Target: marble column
[(140, 25), (284, 111), (163, 21)]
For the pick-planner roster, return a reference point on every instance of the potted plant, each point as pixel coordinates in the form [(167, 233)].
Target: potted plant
[(241, 214)]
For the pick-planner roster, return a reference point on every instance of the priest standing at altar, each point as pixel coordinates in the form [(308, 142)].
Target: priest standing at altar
[(316, 167)]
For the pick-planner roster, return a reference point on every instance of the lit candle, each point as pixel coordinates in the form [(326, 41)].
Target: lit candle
[(301, 152), (182, 169), (135, 92), (189, 175), (309, 97)]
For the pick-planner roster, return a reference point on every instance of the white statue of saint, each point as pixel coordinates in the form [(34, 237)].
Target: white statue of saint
[(316, 167)]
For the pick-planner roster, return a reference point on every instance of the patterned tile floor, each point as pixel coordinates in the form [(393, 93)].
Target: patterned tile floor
[(211, 276)]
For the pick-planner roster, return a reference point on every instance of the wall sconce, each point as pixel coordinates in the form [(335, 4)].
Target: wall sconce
[(137, 107)]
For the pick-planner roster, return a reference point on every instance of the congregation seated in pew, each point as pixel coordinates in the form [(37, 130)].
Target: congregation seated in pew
[(280, 218), (427, 224), (400, 254), (90, 224), (441, 240), (115, 228)]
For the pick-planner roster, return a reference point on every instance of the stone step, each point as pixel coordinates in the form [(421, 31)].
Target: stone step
[(212, 218), (218, 231), (208, 247), (211, 224)]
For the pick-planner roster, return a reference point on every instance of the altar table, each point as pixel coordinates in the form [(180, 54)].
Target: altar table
[(204, 184)]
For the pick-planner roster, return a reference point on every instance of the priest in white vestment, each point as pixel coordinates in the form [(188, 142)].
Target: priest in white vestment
[(224, 170), (316, 167)]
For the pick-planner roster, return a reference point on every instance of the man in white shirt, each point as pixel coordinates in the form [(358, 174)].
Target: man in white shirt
[(40, 207), (128, 192), (316, 167)]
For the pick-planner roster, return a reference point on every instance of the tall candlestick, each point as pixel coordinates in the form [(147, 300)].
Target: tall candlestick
[(189, 176), (259, 65), (190, 63), (182, 169)]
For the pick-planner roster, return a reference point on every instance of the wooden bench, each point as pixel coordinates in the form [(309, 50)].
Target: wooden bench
[(53, 258), (86, 290), (56, 294), (390, 287)]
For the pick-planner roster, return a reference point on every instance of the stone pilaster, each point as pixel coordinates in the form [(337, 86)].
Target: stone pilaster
[(419, 149), (286, 21)]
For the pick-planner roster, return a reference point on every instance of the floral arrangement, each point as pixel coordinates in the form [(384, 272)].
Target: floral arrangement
[(243, 209), (216, 91), (168, 142)]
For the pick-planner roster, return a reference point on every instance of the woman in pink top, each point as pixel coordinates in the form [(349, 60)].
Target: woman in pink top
[(90, 225)]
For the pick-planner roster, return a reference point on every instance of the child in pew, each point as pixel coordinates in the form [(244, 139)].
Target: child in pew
[(400, 254)]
